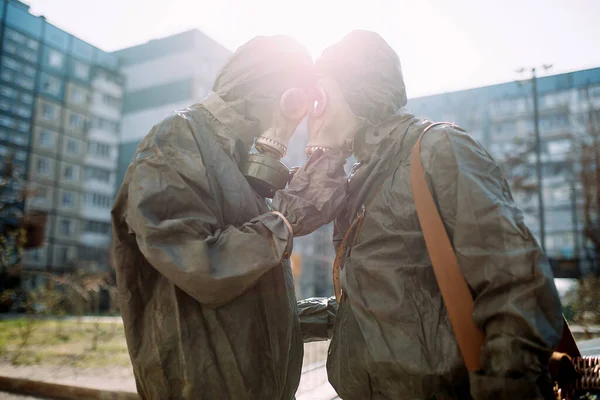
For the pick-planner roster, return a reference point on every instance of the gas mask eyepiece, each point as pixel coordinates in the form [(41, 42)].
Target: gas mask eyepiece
[(264, 170), (318, 107)]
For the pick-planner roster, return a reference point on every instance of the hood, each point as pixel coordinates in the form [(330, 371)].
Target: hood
[(254, 78), (369, 74)]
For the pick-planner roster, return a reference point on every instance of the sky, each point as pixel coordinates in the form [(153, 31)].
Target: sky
[(443, 45)]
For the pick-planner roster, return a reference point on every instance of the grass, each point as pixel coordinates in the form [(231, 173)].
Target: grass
[(62, 342), (70, 342)]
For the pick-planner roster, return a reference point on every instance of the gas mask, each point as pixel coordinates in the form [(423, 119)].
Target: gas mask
[(264, 170), (331, 123)]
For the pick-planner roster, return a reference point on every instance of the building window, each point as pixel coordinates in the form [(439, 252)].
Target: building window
[(8, 92), (66, 227), (21, 155), (12, 64), (99, 149), (594, 91), (559, 147), (27, 98), (111, 101), (98, 200), (7, 121), (68, 200), (24, 81), (76, 121), (40, 193), (49, 112), (72, 146), (43, 166), (21, 111), (23, 127), (10, 47), (93, 254), (33, 44), (97, 227), (17, 37), (34, 255), (29, 55), (63, 255), (78, 96), (98, 174), (52, 86), (105, 125), (70, 173), (29, 71), (19, 139), (554, 121), (82, 71), (46, 139), (55, 59)]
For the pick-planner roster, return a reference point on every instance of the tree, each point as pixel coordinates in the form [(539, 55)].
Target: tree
[(12, 235), (18, 230), (587, 150)]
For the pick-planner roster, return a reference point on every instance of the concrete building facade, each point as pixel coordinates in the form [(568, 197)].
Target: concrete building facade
[(60, 111), (162, 76)]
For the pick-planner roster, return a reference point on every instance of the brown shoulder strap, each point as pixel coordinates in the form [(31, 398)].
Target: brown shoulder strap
[(452, 284), (454, 289)]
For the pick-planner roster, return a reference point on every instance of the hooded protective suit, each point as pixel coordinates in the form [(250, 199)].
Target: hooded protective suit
[(206, 289), (392, 338)]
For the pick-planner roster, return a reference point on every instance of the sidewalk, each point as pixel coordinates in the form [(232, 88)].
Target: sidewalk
[(313, 384)]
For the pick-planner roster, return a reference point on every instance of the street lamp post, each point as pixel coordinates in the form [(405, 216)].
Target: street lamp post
[(538, 159), (538, 153)]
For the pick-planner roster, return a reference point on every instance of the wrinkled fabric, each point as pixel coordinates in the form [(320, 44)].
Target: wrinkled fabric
[(315, 194), (392, 338), (248, 75), (317, 317), (392, 315), (370, 78), (206, 290), (369, 73), (202, 321)]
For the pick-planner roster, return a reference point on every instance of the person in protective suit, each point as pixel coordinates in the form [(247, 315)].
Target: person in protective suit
[(201, 252), (391, 335)]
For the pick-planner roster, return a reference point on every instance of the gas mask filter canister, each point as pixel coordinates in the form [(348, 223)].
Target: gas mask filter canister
[(264, 170)]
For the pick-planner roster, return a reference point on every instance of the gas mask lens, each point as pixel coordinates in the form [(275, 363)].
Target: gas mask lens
[(294, 104), (319, 102)]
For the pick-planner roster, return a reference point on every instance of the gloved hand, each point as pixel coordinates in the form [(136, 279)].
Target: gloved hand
[(331, 124), (317, 317), (316, 193)]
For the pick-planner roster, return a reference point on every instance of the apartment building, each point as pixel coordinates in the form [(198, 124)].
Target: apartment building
[(501, 117), (162, 76), (60, 112)]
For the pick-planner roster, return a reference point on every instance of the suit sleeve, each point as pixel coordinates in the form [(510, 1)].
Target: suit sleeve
[(170, 212), (316, 194)]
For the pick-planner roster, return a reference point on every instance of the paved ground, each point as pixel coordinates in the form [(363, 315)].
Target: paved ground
[(590, 347), (10, 396), (313, 386)]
